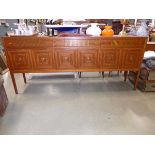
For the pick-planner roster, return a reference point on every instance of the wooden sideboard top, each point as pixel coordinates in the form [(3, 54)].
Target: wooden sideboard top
[(78, 41)]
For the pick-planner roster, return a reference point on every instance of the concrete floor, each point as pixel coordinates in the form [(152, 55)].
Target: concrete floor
[(65, 105)]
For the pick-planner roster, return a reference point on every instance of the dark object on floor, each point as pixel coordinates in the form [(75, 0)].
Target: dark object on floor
[(150, 62), (3, 64), (146, 78), (3, 98)]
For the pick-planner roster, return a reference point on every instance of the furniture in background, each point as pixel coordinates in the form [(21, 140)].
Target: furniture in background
[(3, 98), (150, 46), (117, 27), (3, 64), (42, 54), (146, 82)]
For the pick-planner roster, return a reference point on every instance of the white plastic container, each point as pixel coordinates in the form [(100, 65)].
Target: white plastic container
[(93, 30)]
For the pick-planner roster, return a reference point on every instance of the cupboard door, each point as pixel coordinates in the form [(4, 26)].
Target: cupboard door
[(131, 58), (110, 58), (88, 58), (20, 59), (43, 58), (66, 58)]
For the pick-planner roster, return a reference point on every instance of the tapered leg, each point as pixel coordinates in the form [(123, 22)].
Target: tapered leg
[(118, 73), (14, 82), (125, 75), (103, 74), (79, 74), (24, 77), (136, 80), (109, 74)]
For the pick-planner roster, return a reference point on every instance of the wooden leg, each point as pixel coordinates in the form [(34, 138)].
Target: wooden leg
[(14, 82), (118, 73), (125, 75), (79, 74), (109, 74), (103, 74), (24, 77), (136, 80)]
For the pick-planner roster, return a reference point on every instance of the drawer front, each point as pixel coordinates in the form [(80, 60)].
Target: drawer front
[(43, 58), (88, 58), (19, 59), (125, 42), (76, 42), (66, 58), (110, 58), (28, 42)]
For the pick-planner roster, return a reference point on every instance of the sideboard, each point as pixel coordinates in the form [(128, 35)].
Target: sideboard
[(150, 46), (41, 54)]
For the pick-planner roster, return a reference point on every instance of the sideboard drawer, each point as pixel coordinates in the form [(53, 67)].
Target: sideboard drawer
[(122, 42), (25, 42), (59, 42)]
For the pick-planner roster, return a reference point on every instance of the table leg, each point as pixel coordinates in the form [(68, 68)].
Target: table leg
[(14, 82), (103, 74), (79, 74), (136, 80), (24, 77), (109, 73), (125, 75)]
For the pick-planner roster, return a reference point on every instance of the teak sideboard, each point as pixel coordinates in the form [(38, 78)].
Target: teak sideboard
[(40, 54)]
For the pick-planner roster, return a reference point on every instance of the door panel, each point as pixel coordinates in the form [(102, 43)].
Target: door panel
[(66, 58), (43, 58), (131, 58), (110, 58), (20, 59), (88, 58)]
